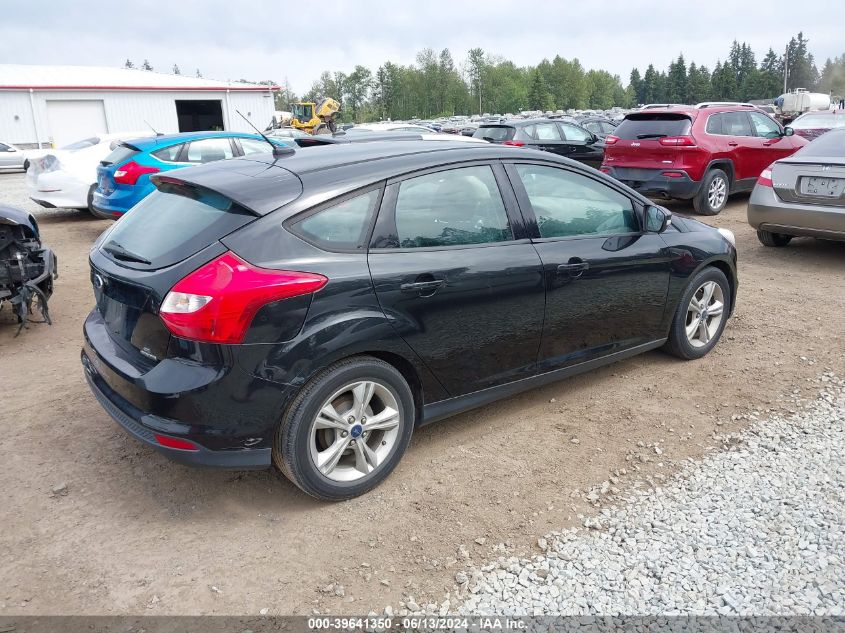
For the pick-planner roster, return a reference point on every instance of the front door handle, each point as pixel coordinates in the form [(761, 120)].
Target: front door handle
[(733, 144), (574, 269), (424, 288)]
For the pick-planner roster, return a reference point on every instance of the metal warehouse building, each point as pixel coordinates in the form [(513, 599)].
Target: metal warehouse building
[(63, 104)]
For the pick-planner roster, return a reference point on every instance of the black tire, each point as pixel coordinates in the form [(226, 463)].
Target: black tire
[(291, 446), (701, 202), (768, 238), (26, 164), (678, 344)]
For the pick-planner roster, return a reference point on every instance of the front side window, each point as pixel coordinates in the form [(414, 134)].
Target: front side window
[(342, 226), (764, 126), (567, 204), (209, 150), (546, 132), (574, 133), (451, 208)]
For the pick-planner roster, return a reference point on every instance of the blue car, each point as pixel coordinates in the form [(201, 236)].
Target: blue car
[(123, 177)]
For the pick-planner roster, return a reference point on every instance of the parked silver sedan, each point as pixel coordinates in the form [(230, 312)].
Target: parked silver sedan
[(803, 194), (11, 158)]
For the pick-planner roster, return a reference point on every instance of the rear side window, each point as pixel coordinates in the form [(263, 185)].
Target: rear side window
[(495, 133), (119, 154), (342, 226), (209, 150), (653, 126), (172, 224), (574, 133), (4, 147), (451, 208), (169, 154), (567, 204)]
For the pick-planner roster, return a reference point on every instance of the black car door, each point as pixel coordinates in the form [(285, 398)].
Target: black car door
[(606, 278), (547, 137), (455, 273), (583, 144)]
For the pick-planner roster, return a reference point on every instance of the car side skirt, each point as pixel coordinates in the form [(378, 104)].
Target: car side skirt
[(453, 406)]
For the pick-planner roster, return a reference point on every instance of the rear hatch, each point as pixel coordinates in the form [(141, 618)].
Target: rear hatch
[(165, 237), (105, 170), (638, 149), (495, 133)]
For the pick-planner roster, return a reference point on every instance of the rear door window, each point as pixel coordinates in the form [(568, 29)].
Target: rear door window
[(209, 150), (546, 132), (451, 208), (495, 132), (653, 126), (342, 226), (172, 224)]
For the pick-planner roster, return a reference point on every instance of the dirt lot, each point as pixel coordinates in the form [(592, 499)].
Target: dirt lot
[(135, 533)]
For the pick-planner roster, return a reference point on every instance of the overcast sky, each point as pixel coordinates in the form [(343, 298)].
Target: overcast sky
[(258, 39)]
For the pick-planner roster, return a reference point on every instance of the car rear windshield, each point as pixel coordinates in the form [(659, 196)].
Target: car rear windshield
[(652, 126), (809, 121), (119, 154), (172, 224), (495, 132), (828, 145)]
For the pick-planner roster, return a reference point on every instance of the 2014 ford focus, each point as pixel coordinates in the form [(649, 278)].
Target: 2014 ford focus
[(310, 311)]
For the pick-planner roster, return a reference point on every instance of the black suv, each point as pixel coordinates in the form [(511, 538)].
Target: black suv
[(312, 310), (563, 138)]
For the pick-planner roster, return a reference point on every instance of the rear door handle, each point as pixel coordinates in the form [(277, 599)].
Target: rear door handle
[(733, 144), (423, 287)]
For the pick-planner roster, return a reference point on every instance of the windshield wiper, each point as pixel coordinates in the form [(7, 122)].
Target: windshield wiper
[(121, 253), (642, 136)]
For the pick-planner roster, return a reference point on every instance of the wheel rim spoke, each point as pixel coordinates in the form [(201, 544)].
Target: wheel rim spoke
[(708, 293), (387, 419), (691, 329), (703, 334), (705, 313), (366, 458), (363, 393), (715, 308), (329, 418), (329, 458)]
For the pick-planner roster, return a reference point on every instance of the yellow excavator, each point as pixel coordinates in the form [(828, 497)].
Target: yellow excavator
[(312, 118)]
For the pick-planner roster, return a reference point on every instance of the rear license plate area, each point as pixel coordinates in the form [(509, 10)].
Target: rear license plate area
[(822, 187)]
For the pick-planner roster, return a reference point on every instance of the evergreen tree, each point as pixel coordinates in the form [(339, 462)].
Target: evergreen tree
[(129, 63), (698, 84), (635, 88), (176, 70), (650, 86), (676, 81), (539, 95), (146, 65), (770, 81)]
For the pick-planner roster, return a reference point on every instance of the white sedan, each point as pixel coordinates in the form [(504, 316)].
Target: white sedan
[(11, 158), (67, 178)]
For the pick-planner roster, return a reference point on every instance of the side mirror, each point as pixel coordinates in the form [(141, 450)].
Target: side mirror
[(657, 219), (788, 131)]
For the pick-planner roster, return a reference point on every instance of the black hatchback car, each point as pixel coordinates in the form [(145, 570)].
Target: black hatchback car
[(311, 311), (564, 138)]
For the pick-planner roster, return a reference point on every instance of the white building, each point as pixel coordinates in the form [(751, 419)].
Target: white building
[(63, 104)]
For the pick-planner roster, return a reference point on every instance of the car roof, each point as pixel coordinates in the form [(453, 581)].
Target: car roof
[(164, 140), (332, 170)]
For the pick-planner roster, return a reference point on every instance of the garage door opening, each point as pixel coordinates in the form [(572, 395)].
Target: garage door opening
[(198, 116)]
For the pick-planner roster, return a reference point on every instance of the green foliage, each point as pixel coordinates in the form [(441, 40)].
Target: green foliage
[(539, 95)]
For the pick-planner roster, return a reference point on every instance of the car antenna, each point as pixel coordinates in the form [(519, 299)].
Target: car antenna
[(278, 150), (157, 133)]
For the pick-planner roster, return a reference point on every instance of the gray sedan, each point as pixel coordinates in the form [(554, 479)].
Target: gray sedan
[(803, 194), (11, 158)]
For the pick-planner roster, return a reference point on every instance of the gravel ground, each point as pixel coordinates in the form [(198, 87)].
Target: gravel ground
[(757, 529)]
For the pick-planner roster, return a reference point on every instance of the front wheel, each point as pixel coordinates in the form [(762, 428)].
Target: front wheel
[(713, 196), (701, 315), (346, 430), (767, 238)]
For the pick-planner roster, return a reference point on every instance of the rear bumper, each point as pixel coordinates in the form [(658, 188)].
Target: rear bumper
[(228, 415), (120, 200), (652, 181), (58, 190), (767, 212)]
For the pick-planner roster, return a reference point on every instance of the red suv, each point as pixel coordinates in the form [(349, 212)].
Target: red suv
[(699, 153)]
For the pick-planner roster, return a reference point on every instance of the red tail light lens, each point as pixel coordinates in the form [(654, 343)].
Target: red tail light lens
[(514, 143), (765, 177), (175, 442), (217, 302), (611, 140), (129, 173), (672, 174), (678, 141), (604, 170)]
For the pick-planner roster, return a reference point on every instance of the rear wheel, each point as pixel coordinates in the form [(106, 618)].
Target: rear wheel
[(713, 196), (346, 430), (701, 315), (767, 238)]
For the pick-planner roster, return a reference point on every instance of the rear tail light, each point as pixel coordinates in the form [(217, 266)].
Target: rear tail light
[(514, 143), (129, 173), (604, 170), (765, 177), (672, 174), (217, 302), (611, 140), (175, 442), (678, 141)]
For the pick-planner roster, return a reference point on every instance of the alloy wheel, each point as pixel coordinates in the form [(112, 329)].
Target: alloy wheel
[(705, 313), (355, 431), (717, 192)]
